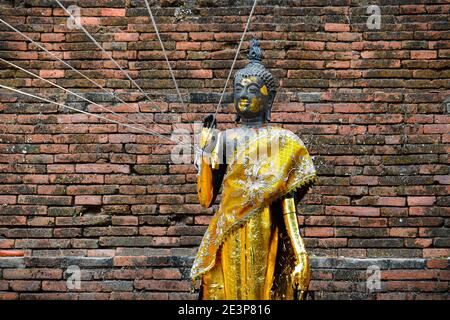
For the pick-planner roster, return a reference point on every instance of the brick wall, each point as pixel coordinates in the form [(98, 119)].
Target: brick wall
[(369, 104)]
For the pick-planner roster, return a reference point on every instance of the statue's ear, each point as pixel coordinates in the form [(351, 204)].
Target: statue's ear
[(238, 117), (272, 95)]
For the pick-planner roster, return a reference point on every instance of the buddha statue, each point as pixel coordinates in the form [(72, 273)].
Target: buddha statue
[(252, 248)]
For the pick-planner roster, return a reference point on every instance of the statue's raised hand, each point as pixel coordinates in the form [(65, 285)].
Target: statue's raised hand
[(301, 275), (209, 121), (208, 137)]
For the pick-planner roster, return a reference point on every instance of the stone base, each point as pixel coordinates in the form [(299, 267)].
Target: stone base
[(166, 277)]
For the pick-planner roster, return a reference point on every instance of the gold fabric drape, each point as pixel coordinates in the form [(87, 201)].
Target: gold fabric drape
[(245, 252)]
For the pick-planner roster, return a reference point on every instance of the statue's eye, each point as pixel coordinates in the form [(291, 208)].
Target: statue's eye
[(253, 89)]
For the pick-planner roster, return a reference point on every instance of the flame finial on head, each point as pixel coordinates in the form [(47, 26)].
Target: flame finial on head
[(256, 68), (255, 54)]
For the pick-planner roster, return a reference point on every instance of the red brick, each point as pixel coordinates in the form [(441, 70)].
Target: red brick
[(102, 168), (60, 168), (6, 243), (412, 9), (51, 73), (90, 21), (337, 27), (167, 273), (201, 36), (201, 74), (88, 200), (444, 275), (25, 285), (122, 261), (189, 46), (153, 231), (49, 189), (319, 232), (9, 296), (423, 54), (32, 273), (436, 253), (4, 199), (373, 222), (203, 220), (332, 242), (437, 263), (41, 221), (403, 232), (125, 221), (52, 37), (353, 210), (112, 12), (313, 45), (394, 296), (436, 128), (425, 286), (421, 201), (59, 286), (126, 36), (165, 241), (392, 201)]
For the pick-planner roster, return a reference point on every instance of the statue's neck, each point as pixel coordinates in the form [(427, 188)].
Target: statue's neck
[(253, 123)]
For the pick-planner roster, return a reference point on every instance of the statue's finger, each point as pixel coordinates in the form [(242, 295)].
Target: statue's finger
[(207, 120), (210, 121)]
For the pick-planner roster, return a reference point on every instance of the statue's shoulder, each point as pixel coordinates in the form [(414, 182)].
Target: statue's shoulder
[(286, 134)]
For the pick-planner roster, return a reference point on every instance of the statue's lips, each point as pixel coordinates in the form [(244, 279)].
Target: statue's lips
[(244, 105)]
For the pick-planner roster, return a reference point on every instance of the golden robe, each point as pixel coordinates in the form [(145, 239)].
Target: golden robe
[(246, 252)]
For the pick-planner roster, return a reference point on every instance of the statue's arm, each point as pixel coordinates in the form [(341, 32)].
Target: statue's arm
[(211, 169), (301, 274)]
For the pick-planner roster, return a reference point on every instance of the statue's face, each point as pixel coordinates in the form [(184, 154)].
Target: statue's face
[(251, 98)]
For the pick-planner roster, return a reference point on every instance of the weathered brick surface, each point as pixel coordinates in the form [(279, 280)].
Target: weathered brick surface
[(372, 106)]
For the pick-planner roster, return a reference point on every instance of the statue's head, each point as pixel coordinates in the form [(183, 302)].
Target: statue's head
[(254, 88)]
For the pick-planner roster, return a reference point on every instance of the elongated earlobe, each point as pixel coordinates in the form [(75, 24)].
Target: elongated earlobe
[(269, 108)]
